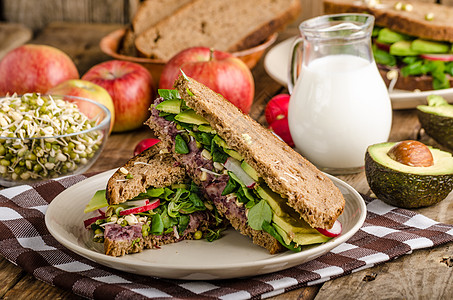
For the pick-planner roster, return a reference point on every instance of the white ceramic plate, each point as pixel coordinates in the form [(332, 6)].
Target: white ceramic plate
[(231, 256), (276, 64)]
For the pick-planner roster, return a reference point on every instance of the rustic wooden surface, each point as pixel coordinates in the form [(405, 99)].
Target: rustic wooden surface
[(420, 275)]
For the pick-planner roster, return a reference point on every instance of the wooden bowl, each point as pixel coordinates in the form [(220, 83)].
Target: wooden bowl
[(111, 42)]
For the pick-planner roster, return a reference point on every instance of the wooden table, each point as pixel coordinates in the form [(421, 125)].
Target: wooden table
[(421, 275)]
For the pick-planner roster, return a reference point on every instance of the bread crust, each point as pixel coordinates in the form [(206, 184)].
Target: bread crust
[(309, 191), (409, 22), (149, 168)]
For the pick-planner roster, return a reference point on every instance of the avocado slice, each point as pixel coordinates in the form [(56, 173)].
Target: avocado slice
[(402, 48), (96, 202), (424, 46), (436, 119), (191, 117), (234, 154), (172, 106), (388, 36), (406, 186), (206, 128), (250, 171)]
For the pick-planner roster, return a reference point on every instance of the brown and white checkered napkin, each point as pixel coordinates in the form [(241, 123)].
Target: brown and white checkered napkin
[(387, 233)]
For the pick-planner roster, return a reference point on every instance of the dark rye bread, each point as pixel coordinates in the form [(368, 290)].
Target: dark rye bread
[(308, 190), (409, 22), (223, 25), (149, 168)]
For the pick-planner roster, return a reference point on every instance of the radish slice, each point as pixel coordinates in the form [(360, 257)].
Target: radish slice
[(137, 202), (136, 210), (332, 232), (382, 46), (90, 221), (234, 165), (441, 57)]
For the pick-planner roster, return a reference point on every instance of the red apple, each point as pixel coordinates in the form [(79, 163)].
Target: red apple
[(34, 68), (220, 71), (131, 87), (88, 90)]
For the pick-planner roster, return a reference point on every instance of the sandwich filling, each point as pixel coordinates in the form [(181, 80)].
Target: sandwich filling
[(226, 178), (413, 56), (153, 218)]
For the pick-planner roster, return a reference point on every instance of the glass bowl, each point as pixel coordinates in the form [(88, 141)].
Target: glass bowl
[(49, 136)]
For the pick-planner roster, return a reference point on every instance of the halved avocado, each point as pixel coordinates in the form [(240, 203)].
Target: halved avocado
[(437, 120), (407, 186)]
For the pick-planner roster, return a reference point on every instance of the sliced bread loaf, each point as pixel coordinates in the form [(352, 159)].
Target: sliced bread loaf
[(149, 13), (223, 25)]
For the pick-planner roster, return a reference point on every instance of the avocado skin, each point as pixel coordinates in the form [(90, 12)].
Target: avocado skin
[(438, 127), (404, 189)]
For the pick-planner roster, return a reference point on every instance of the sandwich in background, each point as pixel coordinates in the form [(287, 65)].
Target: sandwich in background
[(149, 202), (411, 41), (265, 189)]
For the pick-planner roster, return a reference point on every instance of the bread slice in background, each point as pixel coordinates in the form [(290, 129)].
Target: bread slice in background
[(411, 22), (149, 13), (223, 25)]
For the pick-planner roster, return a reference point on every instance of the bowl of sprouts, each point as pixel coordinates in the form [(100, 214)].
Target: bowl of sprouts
[(49, 136)]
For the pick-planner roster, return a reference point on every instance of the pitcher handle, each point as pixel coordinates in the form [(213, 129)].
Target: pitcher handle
[(293, 69)]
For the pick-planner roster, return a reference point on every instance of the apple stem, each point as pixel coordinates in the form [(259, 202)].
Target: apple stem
[(211, 54)]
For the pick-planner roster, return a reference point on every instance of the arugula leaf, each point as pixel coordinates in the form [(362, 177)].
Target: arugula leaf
[(168, 94), (213, 235), (231, 186), (258, 214), (154, 192), (183, 223), (383, 57), (168, 221), (157, 225), (181, 145), (415, 68)]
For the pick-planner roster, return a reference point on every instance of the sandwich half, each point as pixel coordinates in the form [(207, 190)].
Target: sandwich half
[(264, 188), (150, 202), (412, 41)]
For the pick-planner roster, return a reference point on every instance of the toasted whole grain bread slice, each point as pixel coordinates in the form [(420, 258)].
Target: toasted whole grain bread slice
[(222, 25), (309, 191), (148, 169), (412, 22)]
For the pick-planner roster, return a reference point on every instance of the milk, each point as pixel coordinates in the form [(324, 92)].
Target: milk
[(339, 107)]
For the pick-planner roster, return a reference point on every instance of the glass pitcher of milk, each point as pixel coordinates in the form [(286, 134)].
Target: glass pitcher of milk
[(339, 103)]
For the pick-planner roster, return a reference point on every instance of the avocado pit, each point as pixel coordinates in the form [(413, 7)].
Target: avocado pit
[(411, 153)]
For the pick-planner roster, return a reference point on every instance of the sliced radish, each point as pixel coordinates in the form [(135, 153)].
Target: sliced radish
[(382, 46), (136, 210), (332, 232), (441, 57), (137, 202), (90, 221), (234, 165)]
